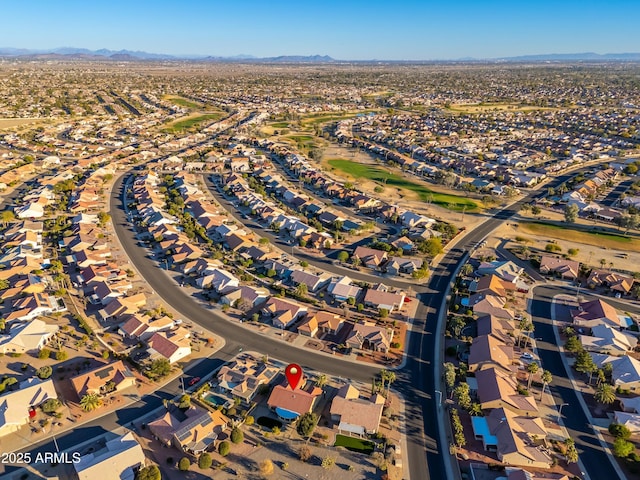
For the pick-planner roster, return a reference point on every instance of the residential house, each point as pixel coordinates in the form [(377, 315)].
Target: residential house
[(597, 312), (193, 431), (29, 336), (252, 296), (499, 389), (32, 306), (122, 457), (122, 306), (289, 404), (218, 280), (520, 440), (626, 370), (370, 257), (16, 405), (379, 297), (114, 377), (356, 415), (242, 376), (283, 312), (566, 269), (492, 305), (500, 328), (341, 288), (616, 282), (173, 345), (608, 340), (312, 281), (505, 269), (371, 337), (488, 351)]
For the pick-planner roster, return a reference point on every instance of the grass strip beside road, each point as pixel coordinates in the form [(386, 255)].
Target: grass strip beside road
[(354, 444), (381, 175), (613, 241)]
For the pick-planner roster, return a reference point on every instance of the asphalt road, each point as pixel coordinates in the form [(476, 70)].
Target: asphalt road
[(596, 462)]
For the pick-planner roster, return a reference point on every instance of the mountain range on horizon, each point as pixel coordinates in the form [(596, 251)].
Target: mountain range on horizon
[(134, 55)]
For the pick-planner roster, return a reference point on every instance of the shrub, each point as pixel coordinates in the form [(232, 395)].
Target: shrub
[(249, 420), (44, 354), (51, 405), (622, 448), (61, 355), (304, 453), (44, 372), (152, 472), (224, 448), (184, 464), (266, 467), (237, 436), (619, 431), (204, 461), (328, 462)]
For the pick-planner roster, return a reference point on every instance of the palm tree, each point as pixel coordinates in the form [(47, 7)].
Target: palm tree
[(90, 402), (532, 369), (384, 374), (391, 377), (321, 381), (603, 262), (605, 394), (547, 378), (467, 269)]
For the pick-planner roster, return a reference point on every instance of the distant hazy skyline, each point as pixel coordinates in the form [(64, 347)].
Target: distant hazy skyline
[(346, 30)]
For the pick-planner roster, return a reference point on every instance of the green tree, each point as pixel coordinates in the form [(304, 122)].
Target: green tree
[(343, 256), (622, 448), (152, 472), (4, 284), (90, 402), (224, 448), (449, 375), (7, 216), (572, 344), (383, 313), (571, 453), (306, 424), (584, 363), (321, 381), (204, 461), (249, 420), (184, 464), (237, 436), (536, 210), (44, 372), (185, 401), (620, 431), (159, 368), (462, 396), (61, 355), (571, 213), (328, 462), (605, 394), (302, 290)]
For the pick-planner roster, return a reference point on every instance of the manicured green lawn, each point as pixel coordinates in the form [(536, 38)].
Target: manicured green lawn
[(354, 444), (183, 102), (280, 125), (188, 123), (358, 170)]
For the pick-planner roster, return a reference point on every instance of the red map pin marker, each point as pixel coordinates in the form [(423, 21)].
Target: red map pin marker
[(293, 372)]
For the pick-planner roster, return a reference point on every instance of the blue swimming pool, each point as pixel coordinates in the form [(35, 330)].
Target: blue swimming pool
[(214, 399)]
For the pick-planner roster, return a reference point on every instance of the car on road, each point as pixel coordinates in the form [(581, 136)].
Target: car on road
[(193, 381), (527, 356)]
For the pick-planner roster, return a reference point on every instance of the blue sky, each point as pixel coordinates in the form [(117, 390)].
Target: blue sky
[(349, 30)]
